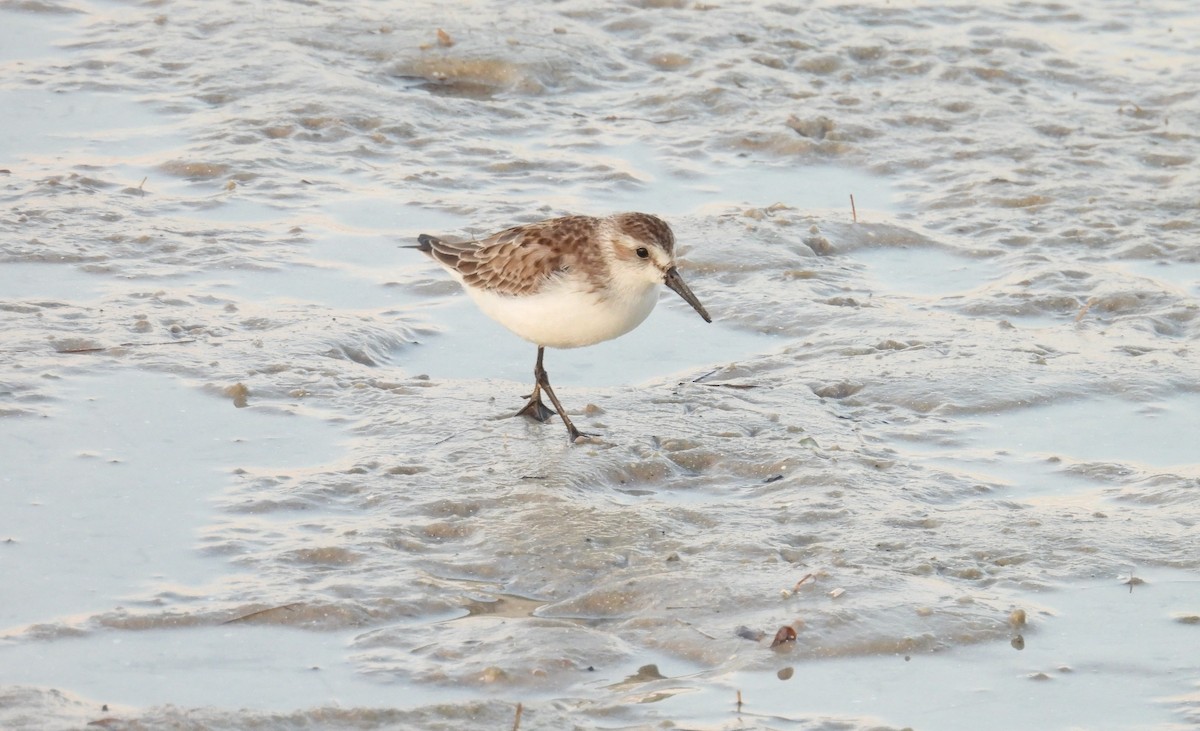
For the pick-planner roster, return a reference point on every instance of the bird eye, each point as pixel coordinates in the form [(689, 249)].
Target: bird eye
[(642, 253)]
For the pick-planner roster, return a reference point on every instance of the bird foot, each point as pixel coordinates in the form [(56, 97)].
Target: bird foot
[(536, 410), (574, 435)]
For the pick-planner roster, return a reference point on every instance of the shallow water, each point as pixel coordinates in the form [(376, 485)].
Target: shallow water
[(1089, 637), (260, 470), (163, 446)]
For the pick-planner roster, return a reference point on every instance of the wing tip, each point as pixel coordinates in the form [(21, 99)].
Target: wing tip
[(425, 242)]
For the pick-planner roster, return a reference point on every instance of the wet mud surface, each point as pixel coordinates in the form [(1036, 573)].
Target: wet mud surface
[(260, 466)]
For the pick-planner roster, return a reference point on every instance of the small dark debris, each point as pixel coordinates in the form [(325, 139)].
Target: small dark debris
[(749, 634)]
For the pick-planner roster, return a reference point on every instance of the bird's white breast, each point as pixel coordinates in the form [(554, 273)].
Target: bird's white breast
[(567, 315)]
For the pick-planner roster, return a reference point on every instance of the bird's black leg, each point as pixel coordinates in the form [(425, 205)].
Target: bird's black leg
[(572, 432), (535, 409)]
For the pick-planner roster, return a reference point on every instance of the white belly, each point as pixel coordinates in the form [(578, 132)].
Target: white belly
[(565, 317)]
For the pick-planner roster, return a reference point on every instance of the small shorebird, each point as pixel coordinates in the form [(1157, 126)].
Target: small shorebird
[(565, 283)]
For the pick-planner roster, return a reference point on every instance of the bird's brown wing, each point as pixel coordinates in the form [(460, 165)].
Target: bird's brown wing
[(520, 260)]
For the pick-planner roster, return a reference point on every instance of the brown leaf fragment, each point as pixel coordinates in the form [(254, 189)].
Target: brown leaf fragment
[(804, 580), (444, 39), (785, 634)]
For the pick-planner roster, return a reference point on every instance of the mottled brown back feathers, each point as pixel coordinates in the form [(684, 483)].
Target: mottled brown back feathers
[(520, 260)]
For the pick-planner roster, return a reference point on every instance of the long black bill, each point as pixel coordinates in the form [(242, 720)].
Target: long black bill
[(675, 282)]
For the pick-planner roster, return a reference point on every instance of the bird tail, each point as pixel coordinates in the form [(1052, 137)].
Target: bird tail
[(425, 243)]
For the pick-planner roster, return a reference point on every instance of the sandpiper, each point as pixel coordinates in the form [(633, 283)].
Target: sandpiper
[(566, 282)]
